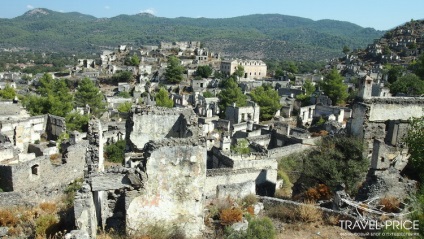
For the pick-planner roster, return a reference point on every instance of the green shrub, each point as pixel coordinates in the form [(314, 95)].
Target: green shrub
[(208, 94), (71, 190), (320, 121), (259, 228), (125, 107), (124, 94), (115, 152), (335, 160), (45, 224), (242, 147), (249, 200)]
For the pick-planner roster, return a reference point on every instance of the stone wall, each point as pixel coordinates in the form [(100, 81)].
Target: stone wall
[(156, 123), (21, 132), (173, 193), (220, 177), (6, 152), (55, 126), (395, 108), (384, 119), (8, 199), (42, 173), (277, 153)]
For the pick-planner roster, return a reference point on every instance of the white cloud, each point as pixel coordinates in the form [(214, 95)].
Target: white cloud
[(149, 10), (30, 7), (107, 7), (61, 11)]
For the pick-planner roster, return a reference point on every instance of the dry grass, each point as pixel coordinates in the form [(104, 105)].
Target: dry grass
[(283, 213), (229, 216), (8, 218), (249, 200), (332, 220), (56, 158), (46, 225), (48, 207), (320, 133), (309, 213), (35, 222), (390, 204), (217, 205), (250, 210), (319, 192)]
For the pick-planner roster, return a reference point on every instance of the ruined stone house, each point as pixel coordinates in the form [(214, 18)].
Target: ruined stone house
[(383, 123), (162, 181), (31, 170)]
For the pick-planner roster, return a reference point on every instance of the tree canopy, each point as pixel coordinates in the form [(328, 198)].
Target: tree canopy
[(162, 99), (174, 70), (334, 87), (208, 94), (89, 94), (54, 98), (8, 92), (335, 160), (346, 49), (409, 84), (419, 67), (133, 61), (394, 72), (309, 87), (115, 152), (77, 121), (415, 143), (204, 71), (231, 93), (239, 72), (123, 76), (268, 99)]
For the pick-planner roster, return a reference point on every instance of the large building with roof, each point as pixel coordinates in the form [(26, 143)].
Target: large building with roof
[(253, 69)]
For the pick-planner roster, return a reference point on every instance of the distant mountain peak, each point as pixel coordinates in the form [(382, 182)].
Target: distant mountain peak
[(37, 12), (145, 14)]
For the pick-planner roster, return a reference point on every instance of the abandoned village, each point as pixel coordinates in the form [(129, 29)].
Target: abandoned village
[(179, 160)]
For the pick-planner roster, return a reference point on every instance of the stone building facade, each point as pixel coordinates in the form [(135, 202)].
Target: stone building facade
[(253, 69)]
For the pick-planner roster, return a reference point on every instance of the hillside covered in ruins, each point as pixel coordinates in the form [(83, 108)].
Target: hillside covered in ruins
[(261, 35), (146, 134)]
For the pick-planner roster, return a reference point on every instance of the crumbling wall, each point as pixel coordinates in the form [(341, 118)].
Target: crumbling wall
[(42, 173), (386, 183), (173, 193), (156, 123), (236, 190), (24, 131), (8, 199), (227, 176), (55, 126), (85, 211), (395, 108), (385, 156), (90, 207), (6, 152)]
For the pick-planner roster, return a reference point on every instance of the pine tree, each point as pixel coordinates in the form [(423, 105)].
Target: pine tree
[(89, 94)]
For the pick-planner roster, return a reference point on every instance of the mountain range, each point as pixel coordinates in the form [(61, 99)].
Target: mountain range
[(259, 36)]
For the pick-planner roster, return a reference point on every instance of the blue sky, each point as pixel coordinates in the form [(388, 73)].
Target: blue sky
[(379, 14)]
